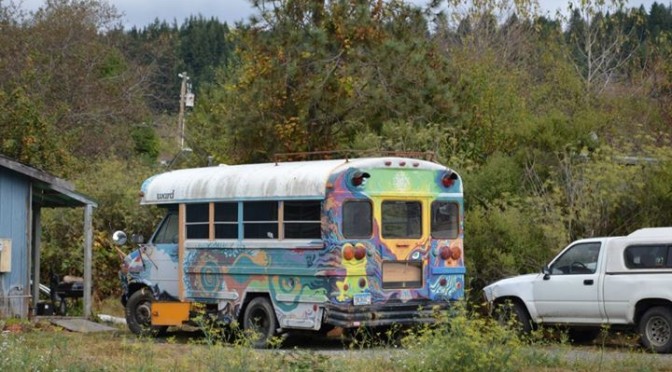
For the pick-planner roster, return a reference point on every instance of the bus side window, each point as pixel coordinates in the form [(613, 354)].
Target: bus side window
[(260, 220), (357, 219), (167, 233), (444, 220), (198, 225), (226, 220), (302, 219)]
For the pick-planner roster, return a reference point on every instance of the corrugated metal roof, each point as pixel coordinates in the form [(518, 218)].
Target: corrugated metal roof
[(301, 179), (48, 190)]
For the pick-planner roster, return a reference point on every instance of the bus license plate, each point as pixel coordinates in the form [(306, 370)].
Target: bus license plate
[(362, 299)]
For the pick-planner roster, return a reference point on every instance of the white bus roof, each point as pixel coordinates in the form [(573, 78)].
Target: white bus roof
[(282, 180)]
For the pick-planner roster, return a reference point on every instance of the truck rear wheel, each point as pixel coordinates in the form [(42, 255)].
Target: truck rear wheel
[(139, 314), (259, 319), (655, 329)]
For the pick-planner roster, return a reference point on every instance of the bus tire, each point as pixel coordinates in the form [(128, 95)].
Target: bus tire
[(259, 319), (139, 314)]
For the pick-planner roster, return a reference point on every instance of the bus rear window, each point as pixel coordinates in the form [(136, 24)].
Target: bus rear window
[(357, 219), (402, 219), (444, 220)]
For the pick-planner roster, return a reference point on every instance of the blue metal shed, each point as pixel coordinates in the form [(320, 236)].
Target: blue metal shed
[(24, 191)]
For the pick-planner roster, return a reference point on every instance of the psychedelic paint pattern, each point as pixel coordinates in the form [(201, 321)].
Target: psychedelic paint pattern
[(332, 280)]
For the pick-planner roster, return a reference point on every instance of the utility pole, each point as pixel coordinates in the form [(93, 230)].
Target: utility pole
[(180, 118)]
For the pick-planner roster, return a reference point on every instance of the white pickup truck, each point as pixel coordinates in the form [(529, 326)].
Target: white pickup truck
[(617, 281)]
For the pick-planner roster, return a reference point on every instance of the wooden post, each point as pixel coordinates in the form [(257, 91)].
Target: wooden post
[(37, 243), (182, 217), (88, 258)]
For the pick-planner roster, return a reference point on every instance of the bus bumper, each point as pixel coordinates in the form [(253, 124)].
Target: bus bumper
[(350, 316)]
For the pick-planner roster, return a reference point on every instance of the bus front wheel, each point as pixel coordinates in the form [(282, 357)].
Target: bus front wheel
[(259, 320), (139, 314)]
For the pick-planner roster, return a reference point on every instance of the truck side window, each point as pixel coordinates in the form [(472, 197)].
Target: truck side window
[(579, 259), (646, 256)]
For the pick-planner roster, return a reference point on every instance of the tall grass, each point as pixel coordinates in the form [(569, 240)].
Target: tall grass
[(463, 341)]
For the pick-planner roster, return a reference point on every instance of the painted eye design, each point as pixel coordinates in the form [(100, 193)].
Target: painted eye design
[(455, 253), (360, 251), (445, 253), (348, 251)]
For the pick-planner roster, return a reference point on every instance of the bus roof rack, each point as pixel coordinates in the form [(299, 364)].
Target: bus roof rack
[(323, 155)]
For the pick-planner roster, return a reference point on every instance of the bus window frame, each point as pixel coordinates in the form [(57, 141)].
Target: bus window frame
[(240, 222)]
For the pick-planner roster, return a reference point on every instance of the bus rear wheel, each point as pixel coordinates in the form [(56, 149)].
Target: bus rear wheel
[(259, 320), (139, 314)]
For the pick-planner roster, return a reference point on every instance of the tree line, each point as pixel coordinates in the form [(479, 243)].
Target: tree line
[(559, 124)]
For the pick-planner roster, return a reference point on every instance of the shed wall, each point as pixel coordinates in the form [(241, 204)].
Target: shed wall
[(14, 213)]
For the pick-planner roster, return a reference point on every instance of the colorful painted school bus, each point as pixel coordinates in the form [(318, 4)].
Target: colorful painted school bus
[(306, 245)]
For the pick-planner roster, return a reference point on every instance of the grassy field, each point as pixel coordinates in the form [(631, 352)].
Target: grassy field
[(460, 343)]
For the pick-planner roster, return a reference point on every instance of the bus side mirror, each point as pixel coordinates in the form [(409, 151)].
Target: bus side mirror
[(119, 237)]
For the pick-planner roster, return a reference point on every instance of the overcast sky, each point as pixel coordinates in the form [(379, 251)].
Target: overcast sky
[(143, 12)]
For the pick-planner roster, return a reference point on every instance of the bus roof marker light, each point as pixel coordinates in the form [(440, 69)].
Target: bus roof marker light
[(359, 178), (448, 179)]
